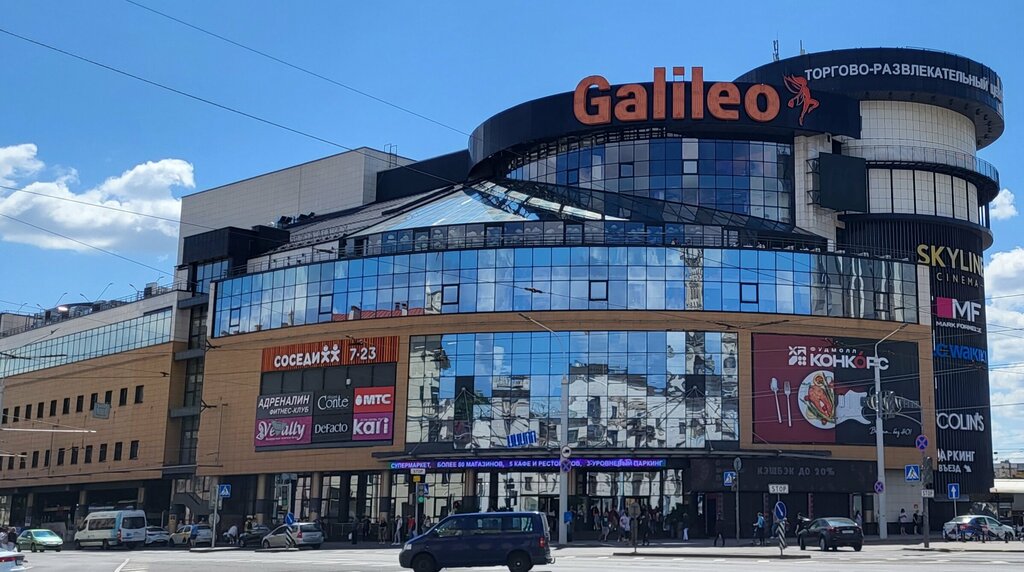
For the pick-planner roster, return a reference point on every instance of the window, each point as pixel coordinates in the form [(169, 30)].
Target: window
[(138, 394), (74, 455), (79, 403), (103, 452), (133, 450), (88, 454), (46, 458), (118, 447), (197, 328), (122, 399), (10, 463), (748, 293), (4, 420), (598, 289), (450, 294), (39, 409), (17, 414), (35, 459), (66, 409), (21, 460), (28, 412), (60, 456), (108, 397), (53, 408), (93, 399)]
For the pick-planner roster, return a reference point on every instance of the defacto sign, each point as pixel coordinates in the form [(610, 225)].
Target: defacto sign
[(597, 102)]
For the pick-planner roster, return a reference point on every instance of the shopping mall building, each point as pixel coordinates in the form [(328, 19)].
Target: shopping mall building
[(701, 269)]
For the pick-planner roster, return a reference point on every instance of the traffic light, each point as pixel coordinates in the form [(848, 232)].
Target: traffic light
[(927, 474)]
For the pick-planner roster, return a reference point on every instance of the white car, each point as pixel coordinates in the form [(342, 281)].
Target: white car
[(11, 561), (157, 535), (298, 535), (192, 535), (972, 526)]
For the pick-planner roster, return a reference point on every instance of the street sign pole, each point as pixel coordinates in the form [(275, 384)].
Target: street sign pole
[(926, 480), (215, 493), (737, 464)]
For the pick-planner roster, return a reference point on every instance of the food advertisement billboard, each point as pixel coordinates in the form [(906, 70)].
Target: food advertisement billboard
[(820, 390)]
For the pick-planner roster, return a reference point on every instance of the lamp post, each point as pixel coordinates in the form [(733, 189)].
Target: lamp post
[(563, 476), (883, 533)]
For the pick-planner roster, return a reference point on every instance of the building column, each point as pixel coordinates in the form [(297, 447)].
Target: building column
[(469, 491), (81, 511), (386, 505), (30, 499), (261, 499), (140, 497), (361, 496), (346, 501), (315, 494)]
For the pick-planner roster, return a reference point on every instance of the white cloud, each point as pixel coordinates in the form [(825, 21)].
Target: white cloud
[(18, 161), (1002, 206), (145, 188), (1004, 278)]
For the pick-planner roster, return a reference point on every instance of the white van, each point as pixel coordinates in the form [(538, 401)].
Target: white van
[(112, 528)]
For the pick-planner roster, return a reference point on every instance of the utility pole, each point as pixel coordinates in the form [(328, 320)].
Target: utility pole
[(926, 477), (883, 533)]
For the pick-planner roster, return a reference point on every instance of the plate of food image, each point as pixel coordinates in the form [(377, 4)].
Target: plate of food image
[(817, 399)]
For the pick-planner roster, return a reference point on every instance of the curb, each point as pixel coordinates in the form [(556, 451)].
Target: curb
[(217, 549), (975, 550), (713, 555)]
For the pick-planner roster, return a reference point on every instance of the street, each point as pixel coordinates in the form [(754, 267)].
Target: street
[(583, 559)]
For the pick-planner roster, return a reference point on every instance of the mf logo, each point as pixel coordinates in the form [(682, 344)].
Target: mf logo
[(954, 309), (797, 355)]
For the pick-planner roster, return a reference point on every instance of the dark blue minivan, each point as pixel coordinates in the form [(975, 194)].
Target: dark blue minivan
[(518, 540)]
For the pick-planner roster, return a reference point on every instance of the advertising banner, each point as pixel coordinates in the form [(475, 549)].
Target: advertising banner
[(820, 390), (331, 353)]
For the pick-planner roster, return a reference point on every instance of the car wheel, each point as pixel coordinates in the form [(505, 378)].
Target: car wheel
[(106, 545), (57, 549), (78, 545), (857, 547), (315, 546), (803, 545), (266, 544), (424, 563), (17, 547), (822, 544), (170, 542), (519, 562)]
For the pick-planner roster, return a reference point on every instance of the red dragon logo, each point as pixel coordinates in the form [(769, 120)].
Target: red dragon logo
[(797, 85)]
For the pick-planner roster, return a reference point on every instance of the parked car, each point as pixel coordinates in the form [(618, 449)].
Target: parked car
[(298, 535), (192, 535), (255, 536), (973, 526), (11, 561), (112, 528), (831, 533), (38, 539), (519, 540), (157, 535)]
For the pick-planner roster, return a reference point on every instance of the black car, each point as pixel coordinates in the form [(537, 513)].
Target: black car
[(254, 536), (831, 532), (518, 540)]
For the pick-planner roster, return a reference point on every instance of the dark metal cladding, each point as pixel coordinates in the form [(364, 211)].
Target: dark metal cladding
[(901, 74)]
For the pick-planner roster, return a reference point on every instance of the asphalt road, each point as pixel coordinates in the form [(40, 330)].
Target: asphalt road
[(596, 559)]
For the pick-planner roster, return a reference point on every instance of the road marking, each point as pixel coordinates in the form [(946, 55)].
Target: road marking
[(123, 564)]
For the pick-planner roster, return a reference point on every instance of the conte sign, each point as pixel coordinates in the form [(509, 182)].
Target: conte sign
[(331, 353)]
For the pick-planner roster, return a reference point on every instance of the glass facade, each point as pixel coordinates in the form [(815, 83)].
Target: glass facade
[(577, 278), (752, 178), (658, 389), (148, 330)]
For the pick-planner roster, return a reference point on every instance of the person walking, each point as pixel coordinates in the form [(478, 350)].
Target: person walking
[(759, 525), (720, 531), (859, 520), (903, 521), (686, 527), (604, 528), (624, 527), (398, 531)]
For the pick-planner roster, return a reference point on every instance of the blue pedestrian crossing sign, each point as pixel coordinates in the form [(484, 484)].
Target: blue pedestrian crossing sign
[(728, 478), (953, 491), (912, 473), (224, 491)]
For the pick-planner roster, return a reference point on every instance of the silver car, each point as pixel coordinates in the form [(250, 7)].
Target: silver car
[(295, 535), (972, 527)]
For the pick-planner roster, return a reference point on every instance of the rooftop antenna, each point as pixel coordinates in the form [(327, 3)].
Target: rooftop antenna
[(775, 50), (802, 50)]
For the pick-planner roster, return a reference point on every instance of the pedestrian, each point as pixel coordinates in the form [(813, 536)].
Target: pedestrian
[(859, 520), (720, 531), (903, 521), (356, 525), (686, 526), (644, 529), (398, 530), (759, 528), (604, 528), (624, 527), (382, 530), (917, 521)]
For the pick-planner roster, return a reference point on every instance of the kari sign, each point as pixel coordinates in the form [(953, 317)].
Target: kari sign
[(819, 390)]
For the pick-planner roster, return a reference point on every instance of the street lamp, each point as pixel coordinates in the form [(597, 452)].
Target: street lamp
[(563, 476), (880, 438)]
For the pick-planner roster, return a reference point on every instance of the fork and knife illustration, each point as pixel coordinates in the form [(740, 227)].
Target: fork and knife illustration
[(786, 390)]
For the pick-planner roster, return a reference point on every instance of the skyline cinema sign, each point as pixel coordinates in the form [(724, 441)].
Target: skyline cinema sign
[(594, 103)]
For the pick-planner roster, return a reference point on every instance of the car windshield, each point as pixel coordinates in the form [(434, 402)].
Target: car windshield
[(201, 527), (962, 519), (44, 534), (309, 528), (840, 522), (133, 522)]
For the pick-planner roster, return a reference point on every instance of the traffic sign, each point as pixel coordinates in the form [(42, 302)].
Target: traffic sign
[(737, 464), (927, 493), (425, 489), (224, 491), (879, 487), (728, 478), (418, 471), (779, 489), (953, 491), (921, 442), (566, 452), (912, 473), (780, 510), (567, 517), (565, 465)]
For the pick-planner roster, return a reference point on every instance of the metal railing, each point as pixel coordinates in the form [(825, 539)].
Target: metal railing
[(908, 154)]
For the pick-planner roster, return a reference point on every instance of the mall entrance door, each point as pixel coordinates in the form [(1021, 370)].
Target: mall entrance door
[(548, 505)]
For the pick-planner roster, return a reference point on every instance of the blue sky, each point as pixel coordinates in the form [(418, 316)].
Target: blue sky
[(71, 128)]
